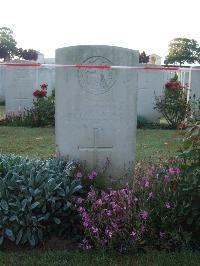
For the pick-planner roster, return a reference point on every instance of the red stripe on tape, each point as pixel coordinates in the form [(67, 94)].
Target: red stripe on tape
[(92, 66), (21, 65)]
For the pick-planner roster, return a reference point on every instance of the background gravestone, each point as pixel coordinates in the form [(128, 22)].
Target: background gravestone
[(151, 83), (96, 108), (2, 83), (20, 83), (195, 82)]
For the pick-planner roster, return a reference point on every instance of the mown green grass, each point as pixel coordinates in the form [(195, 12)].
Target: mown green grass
[(40, 142), (77, 258)]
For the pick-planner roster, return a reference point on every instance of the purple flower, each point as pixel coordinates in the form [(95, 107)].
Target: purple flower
[(79, 200), (108, 232), (81, 209), (151, 195), (91, 195), (166, 178), (167, 205), (144, 215), (146, 184), (99, 202), (114, 225), (109, 213), (171, 171), (174, 171), (78, 174), (161, 234), (133, 234), (92, 175), (142, 229), (95, 230)]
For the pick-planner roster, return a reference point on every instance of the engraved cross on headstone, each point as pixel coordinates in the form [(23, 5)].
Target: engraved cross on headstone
[(95, 148)]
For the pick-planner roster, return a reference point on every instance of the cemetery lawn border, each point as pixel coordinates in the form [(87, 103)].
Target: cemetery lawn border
[(61, 257)]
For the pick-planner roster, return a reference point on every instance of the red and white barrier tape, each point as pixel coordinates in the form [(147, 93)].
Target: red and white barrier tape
[(98, 66)]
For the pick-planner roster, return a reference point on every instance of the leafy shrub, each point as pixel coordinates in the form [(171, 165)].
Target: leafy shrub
[(173, 104), (36, 199)]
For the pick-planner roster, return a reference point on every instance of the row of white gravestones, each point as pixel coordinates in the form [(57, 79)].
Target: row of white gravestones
[(20, 82), (96, 108)]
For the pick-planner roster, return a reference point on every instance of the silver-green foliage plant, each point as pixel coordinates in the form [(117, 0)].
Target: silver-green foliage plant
[(35, 198)]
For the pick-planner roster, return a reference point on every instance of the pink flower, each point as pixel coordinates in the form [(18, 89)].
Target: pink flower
[(133, 234), (79, 200), (166, 178), (95, 230), (108, 232), (81, 210), (78, 174), (144, 215), (151, 195), (146, 184), (92, 175), (161, 234), (99, 202), (109, 213), (114, 225), (168, 206), (174, 171)]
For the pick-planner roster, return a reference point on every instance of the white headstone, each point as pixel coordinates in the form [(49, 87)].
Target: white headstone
[(2, 83), (195, 82), (151, 83), (96, 108), (20, 83)]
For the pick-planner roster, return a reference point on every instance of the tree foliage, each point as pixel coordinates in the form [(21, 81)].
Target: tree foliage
[(183, 50), (7, 44), (143, 58), (27, 54)]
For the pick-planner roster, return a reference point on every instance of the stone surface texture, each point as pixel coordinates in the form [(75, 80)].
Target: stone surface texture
[(96, 108)]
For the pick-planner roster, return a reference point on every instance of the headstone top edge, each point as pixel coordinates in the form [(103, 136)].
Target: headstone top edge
[(96, 46)]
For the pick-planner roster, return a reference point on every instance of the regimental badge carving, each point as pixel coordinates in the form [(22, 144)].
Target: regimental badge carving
[(94, 80)]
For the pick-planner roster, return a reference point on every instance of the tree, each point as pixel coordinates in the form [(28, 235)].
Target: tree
[(29, 54), (182, 50), (7, 44), (143, 58)]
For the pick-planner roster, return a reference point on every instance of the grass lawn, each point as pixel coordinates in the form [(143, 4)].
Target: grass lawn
[(40, 142), (76, 258)]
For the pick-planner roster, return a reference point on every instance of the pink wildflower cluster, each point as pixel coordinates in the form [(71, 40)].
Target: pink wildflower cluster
[(112, 218), (91, 176)]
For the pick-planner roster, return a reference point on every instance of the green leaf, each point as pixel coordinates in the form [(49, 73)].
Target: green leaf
[(57, 220), (9, 234), (34, 205), (19, 236), (4, 205)]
